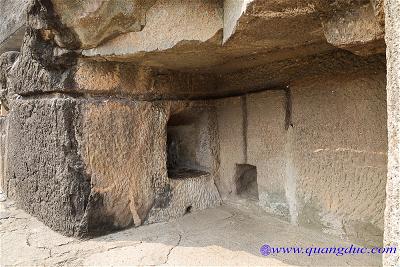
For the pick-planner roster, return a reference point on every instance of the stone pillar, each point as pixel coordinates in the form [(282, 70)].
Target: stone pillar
[(392, 212)]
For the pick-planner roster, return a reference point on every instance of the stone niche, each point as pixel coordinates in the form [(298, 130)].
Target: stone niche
[(246, 181), (191, 160), (188, 145)]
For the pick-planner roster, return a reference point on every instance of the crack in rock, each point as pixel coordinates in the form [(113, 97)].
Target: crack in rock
[(29, 244), (172, 248)]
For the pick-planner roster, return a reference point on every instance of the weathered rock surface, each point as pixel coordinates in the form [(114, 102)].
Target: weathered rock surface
[(102, 86), (319, 149), (6, 61), (268, 38), (169, 23), (262, 29), (233, 10), (210, 237), (339, 154), (392, 212), (13, 20), (187, 195), (96, 21), (357, 28), (3, 155), (139, 82), (198, 34), (254, 32), (272, 161), (122, 160), (45, 165), (279, 74), (111, 170)]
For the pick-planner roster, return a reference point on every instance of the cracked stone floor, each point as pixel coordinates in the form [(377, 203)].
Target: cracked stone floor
[(227, 235)]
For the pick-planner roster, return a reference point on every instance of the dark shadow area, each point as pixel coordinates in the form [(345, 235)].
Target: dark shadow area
[(246, 181)]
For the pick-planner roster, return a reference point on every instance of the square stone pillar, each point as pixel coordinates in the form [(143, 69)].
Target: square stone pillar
[(392, 212), (86, 165)]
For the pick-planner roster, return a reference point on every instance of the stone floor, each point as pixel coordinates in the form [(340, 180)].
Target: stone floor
[(228, 235)]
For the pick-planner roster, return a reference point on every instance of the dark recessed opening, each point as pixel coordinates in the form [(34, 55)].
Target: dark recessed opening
[(183, 144), (246, 181), (188, 210)]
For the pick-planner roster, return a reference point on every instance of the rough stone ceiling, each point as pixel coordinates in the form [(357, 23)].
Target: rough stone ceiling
[(232, 46), (186, 35), (213, 36)]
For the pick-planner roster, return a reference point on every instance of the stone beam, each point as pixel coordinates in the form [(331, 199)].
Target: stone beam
[(392, 212)]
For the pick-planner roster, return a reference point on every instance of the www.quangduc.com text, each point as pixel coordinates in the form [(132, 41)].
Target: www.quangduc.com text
[(267, 250)]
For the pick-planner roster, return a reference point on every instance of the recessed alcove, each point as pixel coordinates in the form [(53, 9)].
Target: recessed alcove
[(186, 144), (246, 181)]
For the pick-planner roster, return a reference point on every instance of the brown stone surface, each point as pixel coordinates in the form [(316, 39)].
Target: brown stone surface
[(266, 149), (255, 32), (123, 153), (339, 153), (96, 21), (280, 73), (139, 82), (357, 27), (111, 170), (263, 29), (6, 62), (169, 24)]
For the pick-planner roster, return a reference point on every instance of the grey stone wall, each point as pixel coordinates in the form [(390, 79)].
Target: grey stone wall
[(3, 152), (230, 126), (44, 164), (339, 154), (320, 152), (392, 212)]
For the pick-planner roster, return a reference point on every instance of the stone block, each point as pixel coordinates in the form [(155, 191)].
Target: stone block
[(85, 165), (45, 163)]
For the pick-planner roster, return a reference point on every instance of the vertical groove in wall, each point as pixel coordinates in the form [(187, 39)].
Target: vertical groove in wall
[(291, 174), (243, 100), (288, 108)]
